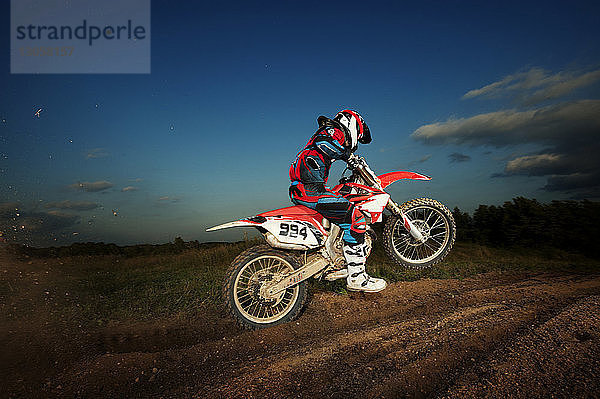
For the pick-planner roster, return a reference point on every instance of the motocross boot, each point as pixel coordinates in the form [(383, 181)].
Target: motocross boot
[(358, 279)]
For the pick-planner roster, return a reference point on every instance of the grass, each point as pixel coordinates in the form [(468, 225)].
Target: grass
[(101, 289), (468, 259)]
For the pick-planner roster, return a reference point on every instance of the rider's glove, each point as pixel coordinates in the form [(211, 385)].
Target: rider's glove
[(352, 162)]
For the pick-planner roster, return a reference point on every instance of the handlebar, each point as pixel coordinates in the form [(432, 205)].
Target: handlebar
[(359, 165)]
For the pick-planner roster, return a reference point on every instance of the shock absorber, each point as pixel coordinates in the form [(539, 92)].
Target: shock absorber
[(406, 222)]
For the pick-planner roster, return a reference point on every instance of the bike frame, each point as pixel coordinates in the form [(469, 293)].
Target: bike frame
[(301, 228)]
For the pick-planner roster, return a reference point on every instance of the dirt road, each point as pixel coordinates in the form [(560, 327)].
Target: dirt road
[(495, 335)]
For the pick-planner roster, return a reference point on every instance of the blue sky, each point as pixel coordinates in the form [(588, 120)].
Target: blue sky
[(492, 99)]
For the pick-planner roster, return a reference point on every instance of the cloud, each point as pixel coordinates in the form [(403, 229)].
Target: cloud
[(575, 182), (569, 132), (97, 153), (129, 188), (457, 157), (579, 120), (425, 158), (536, 165), (92, 186), (167, 198), (566, 132), (32, 226), (75, 206), (536, 85), (564, 87)]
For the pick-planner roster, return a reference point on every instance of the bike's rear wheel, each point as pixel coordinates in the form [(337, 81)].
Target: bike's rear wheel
[(244, 288), (435, 222)]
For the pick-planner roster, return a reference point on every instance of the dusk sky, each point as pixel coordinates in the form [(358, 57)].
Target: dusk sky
[(492, 99)]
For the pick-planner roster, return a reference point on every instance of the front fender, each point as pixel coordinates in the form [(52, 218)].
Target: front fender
[(389, 178)]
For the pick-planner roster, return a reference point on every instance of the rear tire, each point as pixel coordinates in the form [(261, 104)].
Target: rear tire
[(435, 222), (242, 293)]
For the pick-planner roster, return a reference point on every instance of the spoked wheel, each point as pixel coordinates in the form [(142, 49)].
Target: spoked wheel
[(436, 224), (245, 288)]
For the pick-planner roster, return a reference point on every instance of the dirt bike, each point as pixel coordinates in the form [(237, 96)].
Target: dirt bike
[(266, 284)]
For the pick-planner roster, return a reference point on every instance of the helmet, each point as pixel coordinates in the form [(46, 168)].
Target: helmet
[(355, 128)]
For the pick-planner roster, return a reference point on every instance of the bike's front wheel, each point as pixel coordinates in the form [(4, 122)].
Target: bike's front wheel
[(245, 288), (435, 222)]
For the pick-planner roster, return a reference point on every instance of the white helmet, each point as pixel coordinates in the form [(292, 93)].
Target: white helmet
[(355, 128)]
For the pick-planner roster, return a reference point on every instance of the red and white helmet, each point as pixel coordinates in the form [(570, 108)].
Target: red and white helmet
[(355, 128)]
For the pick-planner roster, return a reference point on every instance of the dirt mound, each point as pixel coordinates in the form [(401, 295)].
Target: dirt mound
[(495, 335)]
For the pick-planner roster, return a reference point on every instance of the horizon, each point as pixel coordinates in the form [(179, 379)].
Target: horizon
[(493, 101), (254, 234)]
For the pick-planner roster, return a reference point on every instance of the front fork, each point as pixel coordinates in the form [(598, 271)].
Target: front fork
[(408, 225)]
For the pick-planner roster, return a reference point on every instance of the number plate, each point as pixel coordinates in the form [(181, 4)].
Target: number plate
[(293, 232)]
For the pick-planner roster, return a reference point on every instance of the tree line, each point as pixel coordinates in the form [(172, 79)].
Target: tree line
[(573, 226), (100, 248)]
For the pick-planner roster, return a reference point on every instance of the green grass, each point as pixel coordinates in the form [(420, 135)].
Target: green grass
[(467, 259), (96, 290), (100, 289)]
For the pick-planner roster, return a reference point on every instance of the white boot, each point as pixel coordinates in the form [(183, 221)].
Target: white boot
[(358, 279)]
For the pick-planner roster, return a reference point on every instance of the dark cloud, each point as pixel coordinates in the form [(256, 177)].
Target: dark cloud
[(425, 158), (457, 157), (575, 182), (76, 206), (47, 222), (536, 85), (574, 121), (568, 132), (92, 186), (32, 227)]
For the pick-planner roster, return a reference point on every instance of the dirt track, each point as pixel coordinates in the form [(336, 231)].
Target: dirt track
[(491, 336)]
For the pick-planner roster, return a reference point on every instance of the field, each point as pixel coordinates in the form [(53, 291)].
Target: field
[(487, 322)]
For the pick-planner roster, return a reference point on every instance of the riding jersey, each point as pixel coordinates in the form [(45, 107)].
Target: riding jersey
[(312, 164), (309, 173)]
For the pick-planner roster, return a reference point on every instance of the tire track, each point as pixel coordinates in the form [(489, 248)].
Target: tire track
[(418, 340)]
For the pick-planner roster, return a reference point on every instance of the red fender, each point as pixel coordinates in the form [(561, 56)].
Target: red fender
[(389, 178), (292, 211)]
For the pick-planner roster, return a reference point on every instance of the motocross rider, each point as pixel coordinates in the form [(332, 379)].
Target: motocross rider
[(335, 139)]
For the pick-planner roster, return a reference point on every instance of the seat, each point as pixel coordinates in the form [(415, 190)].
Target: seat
[(296, 210)]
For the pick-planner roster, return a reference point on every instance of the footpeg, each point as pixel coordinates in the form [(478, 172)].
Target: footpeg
[(336, 275)]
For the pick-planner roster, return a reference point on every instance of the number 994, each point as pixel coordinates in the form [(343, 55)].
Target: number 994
[(292, 230)]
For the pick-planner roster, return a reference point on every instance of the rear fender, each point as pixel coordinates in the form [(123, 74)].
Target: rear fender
[(248, 222), (391, 177), (292, 232)]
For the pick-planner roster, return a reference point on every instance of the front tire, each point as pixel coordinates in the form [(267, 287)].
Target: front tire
[(437, 225), (242, 289)]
